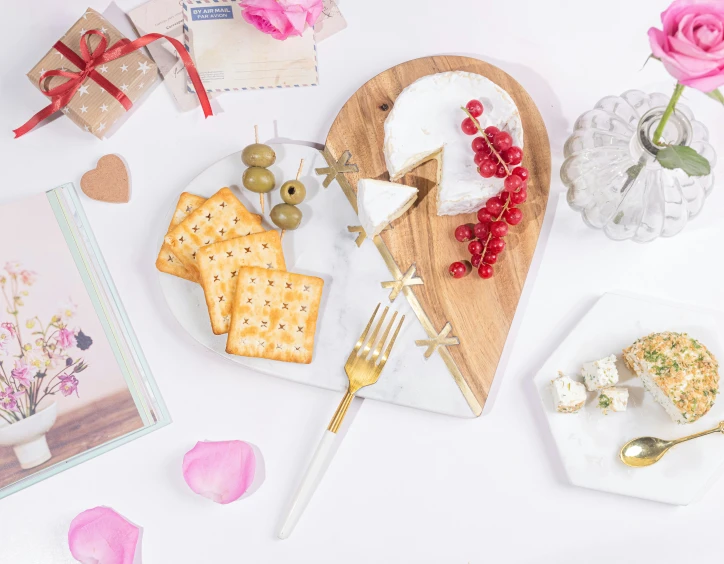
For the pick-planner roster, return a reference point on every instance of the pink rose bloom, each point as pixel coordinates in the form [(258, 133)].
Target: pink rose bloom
[(66, 338), (691, 45), (281, 18)]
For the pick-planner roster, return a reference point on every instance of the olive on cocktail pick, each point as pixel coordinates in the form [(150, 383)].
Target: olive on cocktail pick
[(258, 156), (286, 216), (293, 191)]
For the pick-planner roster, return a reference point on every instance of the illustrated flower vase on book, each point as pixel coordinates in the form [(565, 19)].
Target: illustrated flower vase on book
[(38, 360)]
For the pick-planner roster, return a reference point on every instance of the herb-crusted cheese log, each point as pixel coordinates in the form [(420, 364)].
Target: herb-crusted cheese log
[(680, 372)]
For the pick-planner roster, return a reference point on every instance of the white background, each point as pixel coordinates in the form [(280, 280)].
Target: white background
[(406, 486)]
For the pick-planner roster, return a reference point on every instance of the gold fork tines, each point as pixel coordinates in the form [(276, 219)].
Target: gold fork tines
[(366, 361)]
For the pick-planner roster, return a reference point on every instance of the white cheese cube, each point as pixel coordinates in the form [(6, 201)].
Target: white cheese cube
[(600, 373), (613, 399), (568, 395)]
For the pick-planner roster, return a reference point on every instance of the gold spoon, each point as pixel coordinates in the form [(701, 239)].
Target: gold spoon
[(646, 451)]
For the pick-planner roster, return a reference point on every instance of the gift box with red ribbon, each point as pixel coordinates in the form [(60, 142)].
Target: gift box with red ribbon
[(99, 101), (95, 75)]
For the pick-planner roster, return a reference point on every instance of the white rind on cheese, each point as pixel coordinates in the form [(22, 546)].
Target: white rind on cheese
[(380, 202), (600, 373), (425, 123), (568, 395)]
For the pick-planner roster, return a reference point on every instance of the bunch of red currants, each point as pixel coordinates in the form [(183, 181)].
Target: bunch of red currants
[(496, 156)]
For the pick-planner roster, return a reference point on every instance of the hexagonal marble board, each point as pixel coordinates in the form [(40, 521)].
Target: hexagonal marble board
[(589, 442)]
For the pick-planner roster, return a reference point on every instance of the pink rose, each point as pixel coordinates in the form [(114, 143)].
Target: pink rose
[(281, 18), (691, 45)]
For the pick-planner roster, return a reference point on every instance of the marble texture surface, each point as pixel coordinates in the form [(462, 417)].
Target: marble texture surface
[(352, 275), (589, 441)]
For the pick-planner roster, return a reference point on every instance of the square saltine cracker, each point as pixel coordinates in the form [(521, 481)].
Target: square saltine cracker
[(219, 265), (220, 217), (167, 261), (274, 315)]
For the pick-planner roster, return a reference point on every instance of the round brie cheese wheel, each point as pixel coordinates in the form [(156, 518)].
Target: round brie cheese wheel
[(425, 123)]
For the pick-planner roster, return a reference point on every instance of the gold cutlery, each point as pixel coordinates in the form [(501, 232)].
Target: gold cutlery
[(363, 368), (646, 451)]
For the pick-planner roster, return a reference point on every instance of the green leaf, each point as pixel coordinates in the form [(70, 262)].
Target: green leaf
[(685, 158), (716, 95)]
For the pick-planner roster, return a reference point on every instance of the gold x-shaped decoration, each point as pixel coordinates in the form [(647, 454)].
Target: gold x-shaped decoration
[(442, 340), (335, 168), (407, 279)]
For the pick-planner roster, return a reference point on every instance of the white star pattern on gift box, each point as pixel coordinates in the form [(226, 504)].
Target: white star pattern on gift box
[(83, 90), (103, 30), (83, 109), (101, 126), (103, 69), (143, 67), (124, 87), (104, 108), (124, 68), (83, 30), (140, 86)]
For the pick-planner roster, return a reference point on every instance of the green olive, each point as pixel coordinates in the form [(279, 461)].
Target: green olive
[(293, 192), (258, 154), (286, 216), (257, 179)]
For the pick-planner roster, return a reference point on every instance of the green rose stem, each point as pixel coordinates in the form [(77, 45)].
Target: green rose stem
[(678, 89)]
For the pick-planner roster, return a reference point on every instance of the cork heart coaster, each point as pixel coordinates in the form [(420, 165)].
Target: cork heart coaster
[(109, 181)]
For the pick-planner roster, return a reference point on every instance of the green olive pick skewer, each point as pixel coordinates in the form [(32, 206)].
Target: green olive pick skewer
[(257, 157), (288, 215)]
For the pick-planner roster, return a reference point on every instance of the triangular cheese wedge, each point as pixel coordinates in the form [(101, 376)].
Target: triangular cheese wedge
[(380, 202)]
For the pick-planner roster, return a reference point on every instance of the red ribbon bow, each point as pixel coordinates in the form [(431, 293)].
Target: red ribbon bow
[(87, 62)]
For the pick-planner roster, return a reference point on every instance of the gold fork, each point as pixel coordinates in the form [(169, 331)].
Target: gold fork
[(363, 368)]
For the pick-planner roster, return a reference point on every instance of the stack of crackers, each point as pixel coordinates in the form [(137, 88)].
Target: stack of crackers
[(266, 311)]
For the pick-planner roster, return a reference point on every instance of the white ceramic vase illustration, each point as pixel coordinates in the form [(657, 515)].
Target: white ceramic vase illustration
[(27, 437)]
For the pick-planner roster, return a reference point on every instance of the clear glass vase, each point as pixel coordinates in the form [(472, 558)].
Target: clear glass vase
[(612, 175)]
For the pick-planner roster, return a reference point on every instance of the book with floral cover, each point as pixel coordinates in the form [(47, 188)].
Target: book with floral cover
[(73, 380)]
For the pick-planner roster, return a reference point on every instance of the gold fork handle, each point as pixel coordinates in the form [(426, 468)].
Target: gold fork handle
[(342, 408)]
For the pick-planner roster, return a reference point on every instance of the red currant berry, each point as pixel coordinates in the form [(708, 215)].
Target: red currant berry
[(520, 196), (502, 141), (500, 171), (487, 168), (494, 206), (475, 247), (513, 216), (479, 144), (458, 269), (481, 230), (490, 132), (485, 271), (475, 107), (484, 216), (476, 260), (464, 232), (498, 229), (468, 127), (504, 196), (479, 158), (496, 245), (490, 258), (522, 172), (512, 183), (513, 155)]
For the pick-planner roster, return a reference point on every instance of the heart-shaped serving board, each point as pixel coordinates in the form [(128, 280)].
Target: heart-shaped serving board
[(479, 311)]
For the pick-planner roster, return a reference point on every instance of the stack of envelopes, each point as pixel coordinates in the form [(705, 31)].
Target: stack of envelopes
[(266, 311)]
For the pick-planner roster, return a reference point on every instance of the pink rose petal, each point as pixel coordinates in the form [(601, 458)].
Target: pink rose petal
[(102, 536), (221, 471), (281, 18)]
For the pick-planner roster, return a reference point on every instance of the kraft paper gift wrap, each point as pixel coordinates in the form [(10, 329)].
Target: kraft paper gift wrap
[(92, 108)]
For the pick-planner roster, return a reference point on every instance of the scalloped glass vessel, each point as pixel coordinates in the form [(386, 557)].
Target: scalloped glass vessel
[(613, 178)]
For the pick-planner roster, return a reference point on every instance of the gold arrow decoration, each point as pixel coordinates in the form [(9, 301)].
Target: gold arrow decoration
[(441, 340), (361, 235), (407, 279), (336, 168)]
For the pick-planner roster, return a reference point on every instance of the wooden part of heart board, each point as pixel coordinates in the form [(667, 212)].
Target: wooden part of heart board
[(109, 182), (479, 311)]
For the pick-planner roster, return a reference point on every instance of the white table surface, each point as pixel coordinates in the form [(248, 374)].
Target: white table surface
[(406, 485)]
